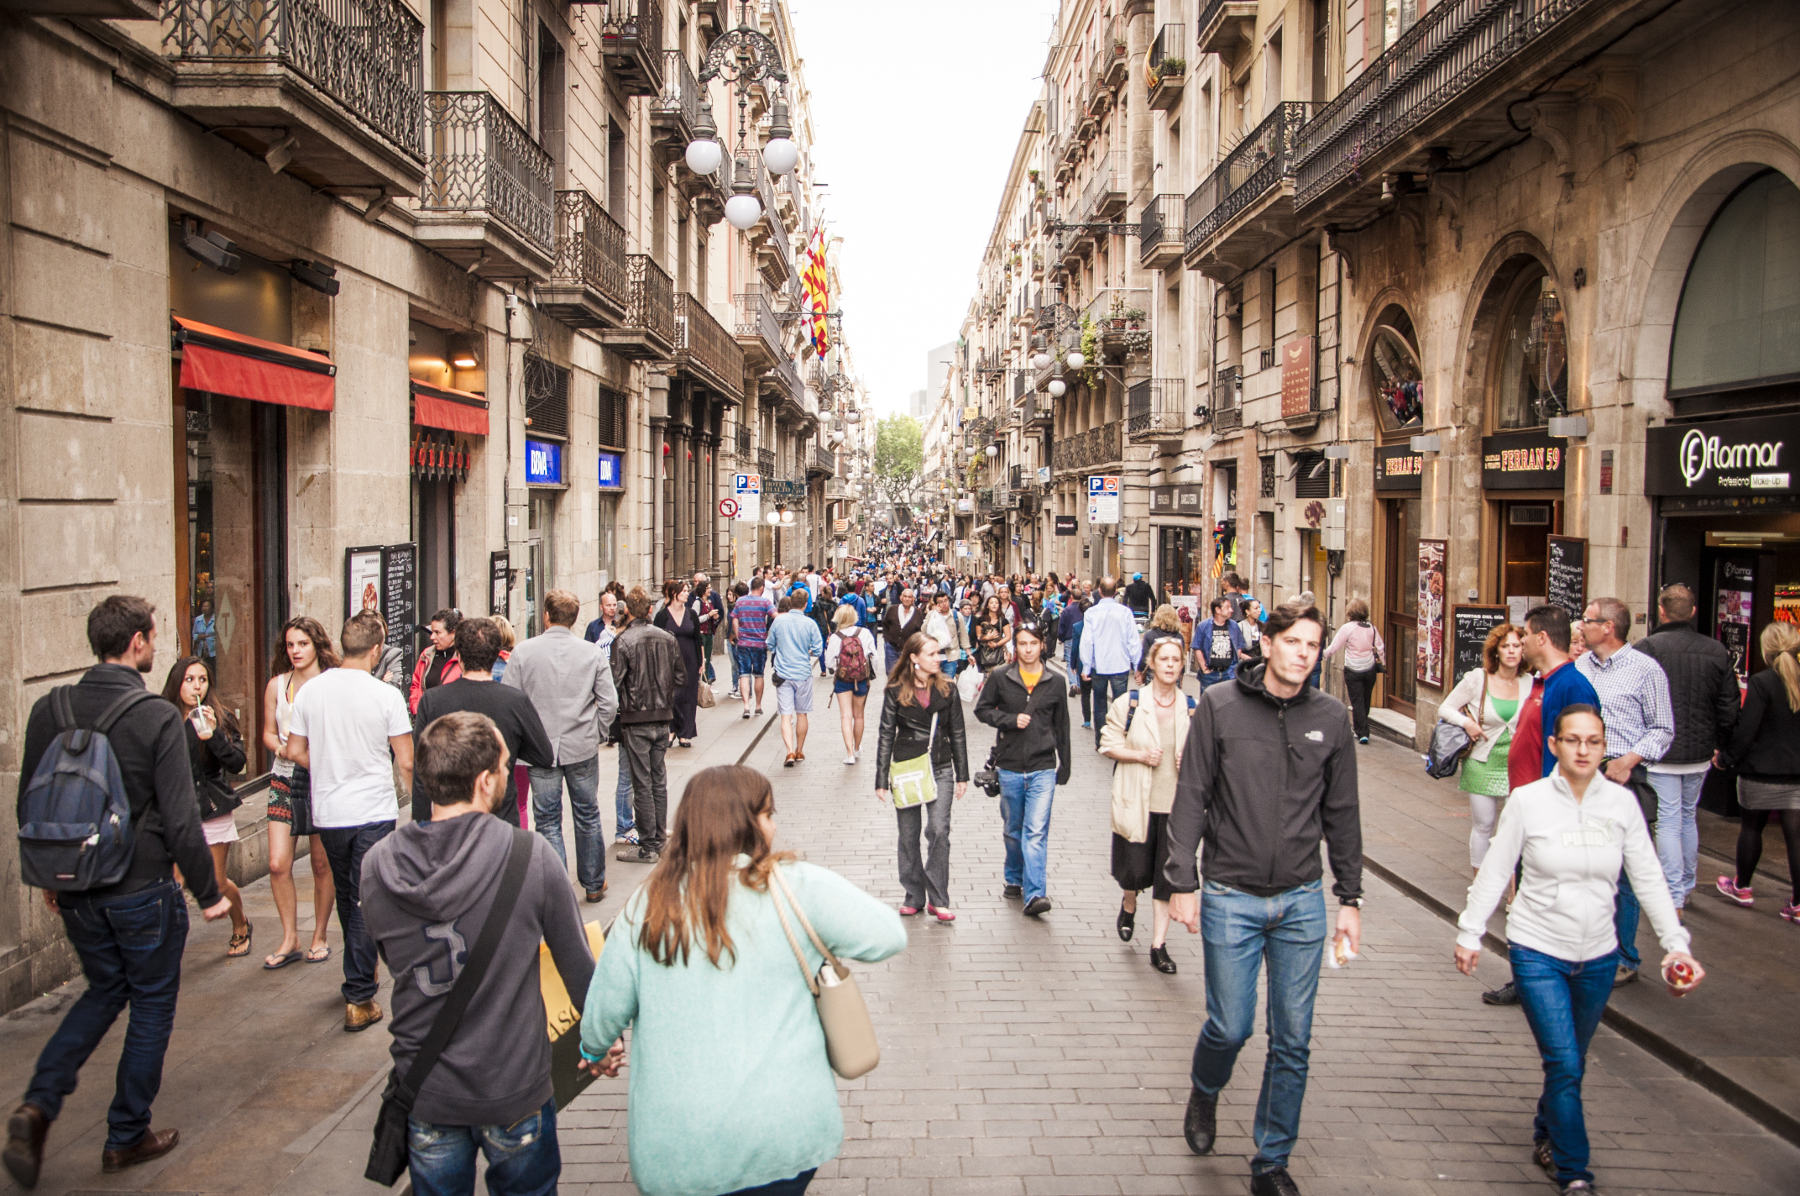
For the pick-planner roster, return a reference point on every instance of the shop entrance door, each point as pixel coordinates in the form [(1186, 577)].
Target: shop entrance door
[(1400, 602), (1182, 561), (1525, 527), (434, 530), (538, 561)]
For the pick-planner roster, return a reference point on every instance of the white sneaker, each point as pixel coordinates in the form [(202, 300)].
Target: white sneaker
[(849, 759)]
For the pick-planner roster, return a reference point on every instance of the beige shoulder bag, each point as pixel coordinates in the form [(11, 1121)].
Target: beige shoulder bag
[(849, 1034)]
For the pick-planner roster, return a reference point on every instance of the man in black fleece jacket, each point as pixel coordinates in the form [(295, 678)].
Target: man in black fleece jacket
[(1269, 770), (1029, 704), (426, 891)]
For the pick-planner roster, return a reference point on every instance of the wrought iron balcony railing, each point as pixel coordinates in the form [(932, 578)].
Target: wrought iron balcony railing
[(1168, 52), (1451, 49), (1105, 192), (1160, 223), (703, 346), (786, 377), (756, 322), (648, 328), (1228, 399), (482, 162), (590, 262), (1156, 407), (681, 92), (631, 41), (365, 54), (765, 461), (743, 443), (821, 461), (1258, 164)]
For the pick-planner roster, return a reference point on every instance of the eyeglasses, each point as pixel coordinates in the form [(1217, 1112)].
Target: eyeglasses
[(1578, 741)]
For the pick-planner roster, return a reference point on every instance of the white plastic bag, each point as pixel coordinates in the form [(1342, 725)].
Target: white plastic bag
[(968, 684)]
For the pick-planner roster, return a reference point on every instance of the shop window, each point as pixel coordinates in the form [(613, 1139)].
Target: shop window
[(1739, 319), (1532, 378), (546, 399), (1395, 389)]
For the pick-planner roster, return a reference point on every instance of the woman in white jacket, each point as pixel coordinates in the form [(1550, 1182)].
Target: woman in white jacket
[(1571, 832), (852, 691), (1486, 703)]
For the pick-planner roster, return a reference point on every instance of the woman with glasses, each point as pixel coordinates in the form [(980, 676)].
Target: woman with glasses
[(1571, 833)]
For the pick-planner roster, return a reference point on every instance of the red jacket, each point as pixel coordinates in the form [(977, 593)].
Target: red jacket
[(452, 670)]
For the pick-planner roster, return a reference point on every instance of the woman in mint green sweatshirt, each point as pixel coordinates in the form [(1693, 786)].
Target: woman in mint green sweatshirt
[(730, 1090)]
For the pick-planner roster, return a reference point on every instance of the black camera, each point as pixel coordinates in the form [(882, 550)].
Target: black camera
[(988, 779)]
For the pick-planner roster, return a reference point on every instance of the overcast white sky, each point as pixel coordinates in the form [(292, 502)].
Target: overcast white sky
[(917, 108)]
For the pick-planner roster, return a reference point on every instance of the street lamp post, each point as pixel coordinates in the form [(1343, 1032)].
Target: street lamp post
[(744, 56)]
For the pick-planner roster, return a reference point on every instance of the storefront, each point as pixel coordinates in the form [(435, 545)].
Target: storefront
[(612, 490), (445, 423), (1522, 479), (1398, 473), (1183, 543), (544, 483)]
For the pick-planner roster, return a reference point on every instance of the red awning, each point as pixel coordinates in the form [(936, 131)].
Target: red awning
[(452, 410), (230, 363)]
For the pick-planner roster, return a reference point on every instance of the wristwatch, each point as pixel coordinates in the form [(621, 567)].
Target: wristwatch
[(1352, 902)]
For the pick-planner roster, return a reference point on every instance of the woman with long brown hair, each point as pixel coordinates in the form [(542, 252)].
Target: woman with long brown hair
[(215, 750), (1765, 750), (303, 653), (919, 751), (993, 634), (730, 1087)]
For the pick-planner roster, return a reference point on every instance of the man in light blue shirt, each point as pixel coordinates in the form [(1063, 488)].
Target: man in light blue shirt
[(1110, 650), (794, 645)]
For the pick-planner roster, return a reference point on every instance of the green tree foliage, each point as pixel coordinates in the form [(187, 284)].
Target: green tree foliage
[(899, 457)]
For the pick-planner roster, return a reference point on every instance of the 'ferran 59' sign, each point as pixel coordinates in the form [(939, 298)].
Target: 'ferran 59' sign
[(1733, 456), (1522, 461)]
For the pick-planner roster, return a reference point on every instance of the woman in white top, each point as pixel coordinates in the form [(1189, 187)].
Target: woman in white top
[(1571, 832), (852, 684), (305, 650), (1486, 703), (1147, 743)]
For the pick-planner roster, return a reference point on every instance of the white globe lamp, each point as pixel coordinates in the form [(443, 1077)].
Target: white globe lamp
[(993, 450), (1057, 388), (1040, 360), (743, 211), (1075, 360), (774, 517), (781, 155), (703, 157)]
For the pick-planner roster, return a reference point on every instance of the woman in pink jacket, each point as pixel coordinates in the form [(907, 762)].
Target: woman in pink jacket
[(1365, 656)]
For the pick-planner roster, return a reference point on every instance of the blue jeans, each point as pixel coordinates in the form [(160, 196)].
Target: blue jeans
[(1240, 932), (1625, 922), (130, 949), (781, 1187), (949, 667), (890, 656), (1563, 1002), (1107, 686), (583, 780), (523, 1158), (622, 816), (345, 847), (1025, 799), (1208, 680), (1677, 830)]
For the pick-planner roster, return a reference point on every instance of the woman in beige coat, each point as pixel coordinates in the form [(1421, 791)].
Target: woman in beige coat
[(1145, 732)]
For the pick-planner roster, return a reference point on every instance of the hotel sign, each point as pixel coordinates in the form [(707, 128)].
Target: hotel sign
[(1727, 457), (1523, 461)]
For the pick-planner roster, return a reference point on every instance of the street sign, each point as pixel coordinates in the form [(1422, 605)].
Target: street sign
[(748, 489), (1103, 498), (728, 507)]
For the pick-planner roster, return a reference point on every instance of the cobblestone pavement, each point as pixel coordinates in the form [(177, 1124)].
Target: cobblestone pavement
[(1042, 1057)]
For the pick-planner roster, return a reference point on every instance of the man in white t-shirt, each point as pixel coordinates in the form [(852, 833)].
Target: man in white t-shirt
[(350, 731)]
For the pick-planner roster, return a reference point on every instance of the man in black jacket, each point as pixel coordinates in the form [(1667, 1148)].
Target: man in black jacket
[(647, 671), (129, 936), (1029, 703), (1703, 687), (900, 622), (1269, 769)]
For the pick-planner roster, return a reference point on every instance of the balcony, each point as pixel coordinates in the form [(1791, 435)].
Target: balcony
[(1166, 72), (788, 394), (1245, 208), (1094, 449), (839, 491), (334, 84), (631, 44), (1112, 67), (1121, 320), (486, 203), (1160, 232), (1104, 196), (705, 351), (758, 331), (1462, 58), (765, 461), (1156, 411), (820, 463), (647, 329), (588, 284), (1228, 400), (1224, 24), (1037, 411)]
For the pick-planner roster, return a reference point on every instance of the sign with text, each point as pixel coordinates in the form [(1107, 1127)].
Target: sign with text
[(1469, 627), (1397, 467), (1727, 456), (400, 599), (543, 463), (1522, 461), (1565, 565), (1175, 500), (747, 489), (1297, 377), (1103, 498), (1067, 525), (499, 582), (612, 470), (1434, 561)]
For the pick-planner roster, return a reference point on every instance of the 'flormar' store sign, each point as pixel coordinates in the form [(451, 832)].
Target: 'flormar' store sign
[(1737, 457), (1522, 461)]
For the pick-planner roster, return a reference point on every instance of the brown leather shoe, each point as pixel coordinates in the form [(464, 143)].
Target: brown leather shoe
[(596, 898), (153, 1145), (25, 1133), (361, 1017)]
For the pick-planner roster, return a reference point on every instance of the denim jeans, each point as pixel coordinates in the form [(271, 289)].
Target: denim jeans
[(583, 780), (1241, 931), (1563, 1002), (1625, 922), (345, 847), (926, 876), (890, 656), (623, 818), (1107, 686), (130, 949), (1216, 677), (1025, 799), (645, 746), (523, 1158), (794, 1186), (1677, 829)]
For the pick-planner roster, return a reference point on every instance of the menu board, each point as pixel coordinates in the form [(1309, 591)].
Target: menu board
[(499, 582), (1566, 569), (1469, 627), (1434, 559), (400, 599), (362, 580)]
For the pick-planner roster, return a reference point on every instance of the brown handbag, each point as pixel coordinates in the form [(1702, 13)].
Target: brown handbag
[(849, 1034)]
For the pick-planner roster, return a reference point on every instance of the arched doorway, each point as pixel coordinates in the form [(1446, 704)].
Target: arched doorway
[(1395, 392)]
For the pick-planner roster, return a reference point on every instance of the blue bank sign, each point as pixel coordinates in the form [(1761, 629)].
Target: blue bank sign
[(612, 471), (543, 463)]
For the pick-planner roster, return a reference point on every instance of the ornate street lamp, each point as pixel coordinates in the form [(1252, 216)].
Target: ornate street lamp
[(743, 56), (1057, 388)]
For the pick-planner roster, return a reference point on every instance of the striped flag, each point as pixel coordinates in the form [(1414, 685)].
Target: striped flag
[(814, 286)]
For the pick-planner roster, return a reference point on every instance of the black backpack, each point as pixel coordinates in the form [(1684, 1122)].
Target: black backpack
[(74, 819)]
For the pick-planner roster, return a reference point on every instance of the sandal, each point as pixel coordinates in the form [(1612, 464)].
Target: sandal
[(311, 958), (272, 962), (239, 946)]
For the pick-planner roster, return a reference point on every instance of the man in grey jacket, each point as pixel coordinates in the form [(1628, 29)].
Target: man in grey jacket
[(1269, 769), (426, 892), (568, 681)]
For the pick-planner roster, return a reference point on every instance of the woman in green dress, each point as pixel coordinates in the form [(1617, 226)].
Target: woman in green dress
[(1486, 703)]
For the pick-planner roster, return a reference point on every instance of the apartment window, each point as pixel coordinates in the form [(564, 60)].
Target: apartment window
[(1266, 488), (683, 254), (1312, 475), (1171, 179), (1533, 367), (613, 415), (1272, 73), (1391, 18), (1266, 313), (440, 45), (615, 170), (700, 254), (1321, 50), (659, 220), (546, 399), (550, 106)]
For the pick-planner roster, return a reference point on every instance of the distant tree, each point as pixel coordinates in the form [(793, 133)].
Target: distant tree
[(899, 458)]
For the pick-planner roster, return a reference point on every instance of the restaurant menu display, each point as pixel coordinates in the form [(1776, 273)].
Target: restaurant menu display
[(385, 579), (1469, 627), (1434, 559), (1566, 568)]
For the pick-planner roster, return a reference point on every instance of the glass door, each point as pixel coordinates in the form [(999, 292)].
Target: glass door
[(1400, 595)]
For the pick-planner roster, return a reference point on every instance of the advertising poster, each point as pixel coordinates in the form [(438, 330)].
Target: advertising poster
[(499, 575), (1734, 617), (362, 581), (1434, 558)]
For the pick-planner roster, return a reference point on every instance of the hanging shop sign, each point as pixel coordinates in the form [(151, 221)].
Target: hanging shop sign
[(1523, 461), (1434, 559), (1297, 377), (1175, 500), (1728, 456), (499, 582), (439, 456), (543, 463), (1469, 627), (1565, 564), (1067, 525), (612, 470), (1397, 467)]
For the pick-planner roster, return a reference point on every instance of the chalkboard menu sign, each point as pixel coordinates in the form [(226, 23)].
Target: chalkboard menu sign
[(400, 592), (499, 581), (1566, 568), (1469, 627)]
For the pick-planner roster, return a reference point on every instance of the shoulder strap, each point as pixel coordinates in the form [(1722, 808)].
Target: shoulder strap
[(1131, 711), (443, 1026), (777, 881), (61, 708), (117, 710)]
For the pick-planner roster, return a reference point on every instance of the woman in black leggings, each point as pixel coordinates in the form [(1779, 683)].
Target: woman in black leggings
[(1765, 749)]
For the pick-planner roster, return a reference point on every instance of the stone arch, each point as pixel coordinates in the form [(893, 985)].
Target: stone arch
[(1659, 270), (1511, 254), (1389, 296)]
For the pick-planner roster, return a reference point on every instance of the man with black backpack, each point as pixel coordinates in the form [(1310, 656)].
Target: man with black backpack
[(113, 884)]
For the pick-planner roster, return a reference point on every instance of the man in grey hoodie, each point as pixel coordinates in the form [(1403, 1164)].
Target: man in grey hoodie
[(426, 890)]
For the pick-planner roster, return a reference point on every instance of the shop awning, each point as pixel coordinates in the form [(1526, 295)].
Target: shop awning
[(230, 363), (452, 410)]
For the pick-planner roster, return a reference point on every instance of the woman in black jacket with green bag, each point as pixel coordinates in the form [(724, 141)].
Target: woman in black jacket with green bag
[(920, 751), (215, 748)]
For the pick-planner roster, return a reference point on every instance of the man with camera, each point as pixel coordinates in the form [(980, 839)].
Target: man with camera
[(1029, 704)]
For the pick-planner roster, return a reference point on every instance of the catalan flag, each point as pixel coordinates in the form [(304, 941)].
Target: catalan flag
[(815, 288)]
